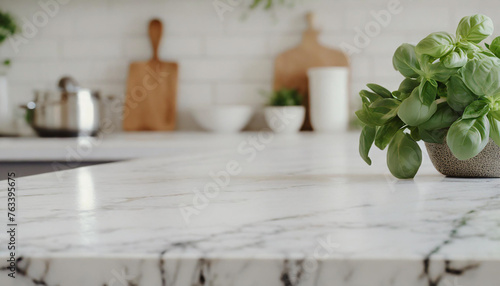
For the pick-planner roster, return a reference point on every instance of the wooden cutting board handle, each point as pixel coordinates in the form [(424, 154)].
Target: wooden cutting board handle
[(310, 37), (311, 21), (155, 32)]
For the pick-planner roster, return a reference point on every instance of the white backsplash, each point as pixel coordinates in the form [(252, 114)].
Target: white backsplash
[(223, 60)]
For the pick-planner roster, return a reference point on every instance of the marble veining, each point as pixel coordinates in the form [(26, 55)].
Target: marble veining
[(255, 209)]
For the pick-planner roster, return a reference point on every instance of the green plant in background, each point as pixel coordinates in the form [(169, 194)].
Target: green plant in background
[(285, 97), (8, 28), (450, 93), (269, 4)]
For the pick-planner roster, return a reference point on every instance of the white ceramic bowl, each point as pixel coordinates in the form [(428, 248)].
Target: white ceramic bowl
[(285, 119), (223, 118)]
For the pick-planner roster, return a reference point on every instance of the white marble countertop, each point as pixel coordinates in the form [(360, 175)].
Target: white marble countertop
[(294, 210), (112, 147)]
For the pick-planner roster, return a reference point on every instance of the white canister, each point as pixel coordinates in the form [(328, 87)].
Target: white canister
[(328, 98), (6, 118)]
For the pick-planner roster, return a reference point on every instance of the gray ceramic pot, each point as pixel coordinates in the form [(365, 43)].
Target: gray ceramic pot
[(485, 165)]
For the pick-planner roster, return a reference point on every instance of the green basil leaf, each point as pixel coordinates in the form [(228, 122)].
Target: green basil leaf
[(406, 88), (413, 112), (368, 97), (436, 45), (365, 143), (475, 28), (366, 117), (442, 90), (459, 96), (404, 156), (482, 76), (433, 82), (482, 54), (427, 92), (438, 71), (415, 133), (382, 91), (456, 59), (444, 117), (495, 114), (469, 47), (398, 95), (386, 106), (488, 53), (494, 129), (433, 136), (495, 47), (467, 137), (405, 61), (408, 85), (387, 132), (476, 109), (377, 116)]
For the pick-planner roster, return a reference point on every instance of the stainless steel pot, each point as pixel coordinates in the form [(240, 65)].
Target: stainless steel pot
[(65, 113)]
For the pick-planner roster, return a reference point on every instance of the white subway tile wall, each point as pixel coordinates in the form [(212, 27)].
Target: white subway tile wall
[(224, 59)]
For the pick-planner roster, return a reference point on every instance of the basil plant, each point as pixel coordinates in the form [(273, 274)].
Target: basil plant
[(450, 94)]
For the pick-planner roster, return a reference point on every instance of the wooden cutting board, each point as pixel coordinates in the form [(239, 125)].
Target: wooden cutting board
[(150, 103), (291, 66)]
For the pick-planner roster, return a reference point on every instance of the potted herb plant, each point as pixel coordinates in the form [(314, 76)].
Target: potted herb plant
[(449, 98), (8, 28), (285, 113)]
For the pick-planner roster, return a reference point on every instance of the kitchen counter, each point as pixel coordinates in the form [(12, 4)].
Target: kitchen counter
[(33, 155), (112, 147), (254, 209)]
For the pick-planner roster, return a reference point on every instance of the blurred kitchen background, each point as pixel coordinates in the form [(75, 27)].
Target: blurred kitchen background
[(224, 57)]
